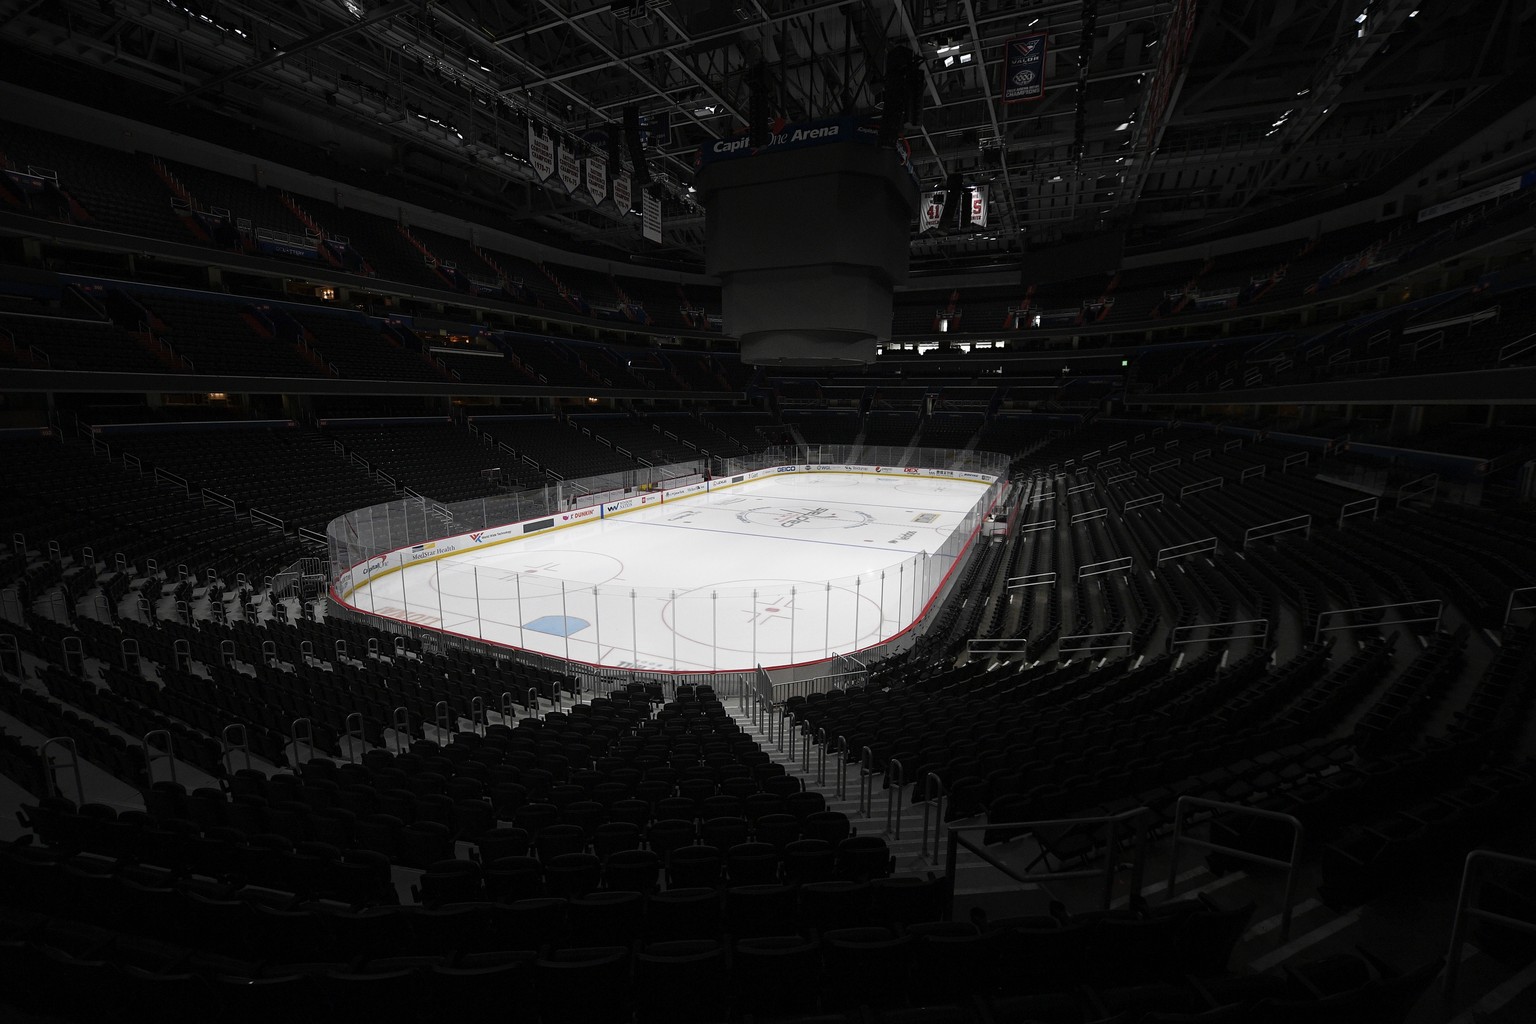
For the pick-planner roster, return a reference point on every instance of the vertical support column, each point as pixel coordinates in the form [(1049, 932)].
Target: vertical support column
[(858, 601), (826, 623), (479, 617), (880, 633), (791, 625), (565, 626), (517, 582), (437, 584)]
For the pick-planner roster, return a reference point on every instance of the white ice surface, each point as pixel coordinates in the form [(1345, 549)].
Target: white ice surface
[(775, 571)]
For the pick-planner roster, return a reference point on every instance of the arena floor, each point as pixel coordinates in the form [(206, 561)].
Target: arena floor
[(774, 571)]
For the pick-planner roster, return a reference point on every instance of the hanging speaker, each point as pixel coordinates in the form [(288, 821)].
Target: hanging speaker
[(896, 95), (615, 147), (757, 105), (958, 200), (642, 173)]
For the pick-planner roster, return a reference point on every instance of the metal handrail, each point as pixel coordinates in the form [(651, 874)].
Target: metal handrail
[(1140, 815), (302, 731), (1062, 648), (66, 743), (1509, 606), (895, 779), (1471, 885), (842, 767), (243, 745), (400, 720), (821, 757), (1332, 613), (1260, 625), (866, 781), (1298, 834), (151, 755), (355, 734), (10, 654), (930, 799)]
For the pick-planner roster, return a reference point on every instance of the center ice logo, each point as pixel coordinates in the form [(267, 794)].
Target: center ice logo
[(802, 517)]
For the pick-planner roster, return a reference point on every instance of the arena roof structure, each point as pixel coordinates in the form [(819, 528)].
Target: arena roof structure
[(1139, 122)]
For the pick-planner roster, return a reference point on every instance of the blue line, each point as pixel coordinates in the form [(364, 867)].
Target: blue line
[(795, 539)]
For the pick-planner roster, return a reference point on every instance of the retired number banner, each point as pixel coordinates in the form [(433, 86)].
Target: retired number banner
[(650, 218), (1024, 68), (541, 153), (597, 178), (621, 196), (932, 212), (570, 169)]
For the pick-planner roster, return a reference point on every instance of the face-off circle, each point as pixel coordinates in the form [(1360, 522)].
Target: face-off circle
[(805, 517)]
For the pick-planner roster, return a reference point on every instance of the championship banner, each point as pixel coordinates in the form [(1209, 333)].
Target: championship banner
[(570, 169), (597, 178), (1024, 68), (650, 219), (621, 196), (979, 206), (541, 153), (932, 211)]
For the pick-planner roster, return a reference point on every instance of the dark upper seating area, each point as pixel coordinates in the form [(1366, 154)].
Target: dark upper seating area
[(692, 429), (363, 347), (558, 446), (112, 190), (222, 337), (69, 343), (243, 200), (754, 431), (645, 442), (294, 475), (68, 494), (440, 461)]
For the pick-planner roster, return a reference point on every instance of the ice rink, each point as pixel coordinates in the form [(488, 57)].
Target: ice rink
[(775, 571)]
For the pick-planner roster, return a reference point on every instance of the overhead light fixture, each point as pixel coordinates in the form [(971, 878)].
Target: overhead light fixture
[(1122, 126)]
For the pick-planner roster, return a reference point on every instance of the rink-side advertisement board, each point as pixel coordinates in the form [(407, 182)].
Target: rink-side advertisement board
[(391, 561)]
